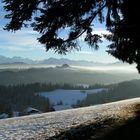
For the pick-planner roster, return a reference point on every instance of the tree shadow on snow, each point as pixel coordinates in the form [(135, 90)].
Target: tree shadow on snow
[(129, 130)]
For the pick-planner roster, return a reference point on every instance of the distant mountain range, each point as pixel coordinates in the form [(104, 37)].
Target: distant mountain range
[(54, 61), (15, 59)]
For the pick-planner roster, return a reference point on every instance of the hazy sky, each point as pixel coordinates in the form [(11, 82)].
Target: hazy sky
[(23, 43)]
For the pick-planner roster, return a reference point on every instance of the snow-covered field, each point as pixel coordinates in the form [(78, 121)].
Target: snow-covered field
[(64, 99), (45, 125)]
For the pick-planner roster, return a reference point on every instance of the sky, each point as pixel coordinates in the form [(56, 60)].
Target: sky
[(24, 43)]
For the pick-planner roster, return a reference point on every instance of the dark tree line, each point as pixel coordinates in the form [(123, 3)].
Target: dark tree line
[(19, 97), (116, 92), (48, 17)]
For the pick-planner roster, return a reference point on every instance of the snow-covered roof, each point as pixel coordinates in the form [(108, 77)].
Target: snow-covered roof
[(30, 109), (3, 116)]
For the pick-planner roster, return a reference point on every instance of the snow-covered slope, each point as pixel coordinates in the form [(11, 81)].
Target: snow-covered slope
[(47, 125)]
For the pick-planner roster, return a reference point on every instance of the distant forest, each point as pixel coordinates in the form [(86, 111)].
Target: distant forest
[(115, 92), (19, 97)]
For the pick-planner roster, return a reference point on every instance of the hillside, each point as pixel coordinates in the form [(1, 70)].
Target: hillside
[(88, 123), (69, 75), (116, 92)]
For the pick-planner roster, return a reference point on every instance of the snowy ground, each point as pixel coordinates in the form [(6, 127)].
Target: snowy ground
[(67, 98), (44, 126)]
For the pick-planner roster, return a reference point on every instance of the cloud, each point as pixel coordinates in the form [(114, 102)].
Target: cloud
[(84, 52), (12, 48), (21, 40), (21, 48)]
